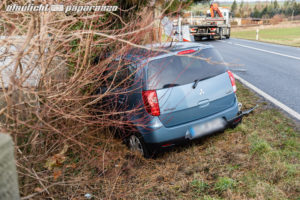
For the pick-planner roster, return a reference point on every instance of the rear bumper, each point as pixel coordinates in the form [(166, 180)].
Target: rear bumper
[(161, 134), (204, 34), (230, 124), (174, 135)]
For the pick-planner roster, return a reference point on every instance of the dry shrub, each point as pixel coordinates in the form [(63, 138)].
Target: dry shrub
[(51, 66), (276, 19)]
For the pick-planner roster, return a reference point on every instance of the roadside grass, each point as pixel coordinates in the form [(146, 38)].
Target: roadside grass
[(257, 160), (224, 183), (281, 35)]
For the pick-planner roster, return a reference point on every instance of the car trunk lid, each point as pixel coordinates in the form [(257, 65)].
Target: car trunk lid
[(182, 104), (189, 87)]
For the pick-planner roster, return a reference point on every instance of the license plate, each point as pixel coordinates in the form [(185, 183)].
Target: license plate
[(206, 128)]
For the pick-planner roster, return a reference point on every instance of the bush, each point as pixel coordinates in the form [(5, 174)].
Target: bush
[(276, 19), (62, 129)]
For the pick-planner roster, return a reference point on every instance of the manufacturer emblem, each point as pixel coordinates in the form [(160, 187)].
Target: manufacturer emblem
[(201, 92)]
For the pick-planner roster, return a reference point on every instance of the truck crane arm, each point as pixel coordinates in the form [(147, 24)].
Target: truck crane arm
[(214, 10)]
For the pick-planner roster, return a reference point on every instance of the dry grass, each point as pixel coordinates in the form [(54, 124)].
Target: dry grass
[(65, 151), (59, 124), (257, 160)]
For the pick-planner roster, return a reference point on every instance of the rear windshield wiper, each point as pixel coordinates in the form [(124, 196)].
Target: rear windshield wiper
[(198, 80)]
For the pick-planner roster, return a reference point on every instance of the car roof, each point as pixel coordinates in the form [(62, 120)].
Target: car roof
[(160, 49)]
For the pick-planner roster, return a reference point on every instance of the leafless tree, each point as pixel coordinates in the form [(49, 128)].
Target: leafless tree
[(59, 76)]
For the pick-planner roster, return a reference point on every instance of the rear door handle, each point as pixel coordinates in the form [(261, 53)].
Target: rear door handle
[(203, 103)]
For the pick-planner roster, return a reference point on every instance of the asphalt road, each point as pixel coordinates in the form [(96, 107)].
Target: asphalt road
[(274, 69)]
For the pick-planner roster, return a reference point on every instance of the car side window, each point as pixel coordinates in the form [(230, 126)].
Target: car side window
[(131, 71), (121, 74)]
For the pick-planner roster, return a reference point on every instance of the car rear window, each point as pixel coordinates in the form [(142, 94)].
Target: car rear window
[(179, 70)]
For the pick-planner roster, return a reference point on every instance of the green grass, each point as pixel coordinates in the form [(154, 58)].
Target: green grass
[(199, 186), (286, 36), (209, 198), (259, 159), (225, 183), (259, 145)]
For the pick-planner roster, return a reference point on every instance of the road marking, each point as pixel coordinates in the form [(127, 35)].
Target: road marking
[(276, 53), (270, 98)]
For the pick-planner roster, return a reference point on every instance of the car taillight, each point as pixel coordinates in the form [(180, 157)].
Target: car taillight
[(232, 80), (151, 102), (186, 51)]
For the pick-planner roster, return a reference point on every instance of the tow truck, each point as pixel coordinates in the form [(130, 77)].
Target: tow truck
[(216, 24)]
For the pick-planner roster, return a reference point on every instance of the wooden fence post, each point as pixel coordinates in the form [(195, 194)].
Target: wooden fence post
[(9, 189)]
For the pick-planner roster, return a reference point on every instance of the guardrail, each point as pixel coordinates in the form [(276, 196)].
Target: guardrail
[(9, 189)]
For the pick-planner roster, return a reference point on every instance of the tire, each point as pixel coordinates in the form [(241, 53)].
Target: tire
[(221, 34), (228, 36), (135, 142), (197, 38)]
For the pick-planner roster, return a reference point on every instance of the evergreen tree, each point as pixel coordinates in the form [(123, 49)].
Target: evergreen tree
[(242, 5), (255, 13), (264, 12), (276, 5), (234, 7), (270, 11), (241, 11)]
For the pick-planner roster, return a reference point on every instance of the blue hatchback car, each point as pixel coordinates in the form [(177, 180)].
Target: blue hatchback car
[(177, 93)]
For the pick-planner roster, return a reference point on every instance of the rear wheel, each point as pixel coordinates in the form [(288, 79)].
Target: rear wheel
[(198, 38), (221, 33), (136, 143), (228, 36)]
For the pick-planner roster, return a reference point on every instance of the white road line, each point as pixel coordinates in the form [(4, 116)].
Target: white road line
[(268, 97), (276, 53)]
